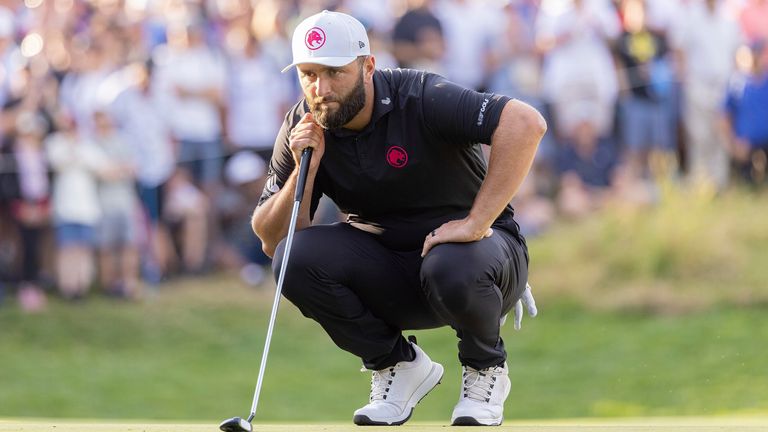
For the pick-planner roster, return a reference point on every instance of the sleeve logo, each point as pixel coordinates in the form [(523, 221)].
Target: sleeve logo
[(272, 187), (481, 116)]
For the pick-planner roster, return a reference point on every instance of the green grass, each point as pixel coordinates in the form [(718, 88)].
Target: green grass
[(676, 424), (640, 315), (194, 354)]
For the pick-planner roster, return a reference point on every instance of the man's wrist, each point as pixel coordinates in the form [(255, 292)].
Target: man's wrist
[(478, 224)]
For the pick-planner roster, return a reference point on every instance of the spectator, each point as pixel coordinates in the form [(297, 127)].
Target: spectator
[(645, 124), (29, 108), (30, 204), (191, 79), (76, 163), (518, 75), (244, 173), (706, 43), (470, 29), (660, 18), (519, 68), (586, 164), (578, 72), (745, 119), (418, 41), (186, 210), (255, 89), (145, 126), (117, 230)]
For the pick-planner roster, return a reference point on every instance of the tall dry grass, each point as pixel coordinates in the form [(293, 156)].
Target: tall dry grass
[(691, 251)]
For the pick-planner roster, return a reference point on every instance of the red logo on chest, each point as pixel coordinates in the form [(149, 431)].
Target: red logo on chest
[(315, 38), (397, 157)]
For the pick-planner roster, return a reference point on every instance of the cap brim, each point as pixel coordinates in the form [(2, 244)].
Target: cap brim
[(325, 61)]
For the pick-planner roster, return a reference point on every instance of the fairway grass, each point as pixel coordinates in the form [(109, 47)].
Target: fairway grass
[(193, 354), (640, 316), (676, 424)]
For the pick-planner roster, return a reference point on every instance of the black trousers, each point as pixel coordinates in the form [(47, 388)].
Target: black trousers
[(364, 295)]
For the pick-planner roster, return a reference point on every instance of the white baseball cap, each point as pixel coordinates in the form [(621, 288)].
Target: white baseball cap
[(330, 39)]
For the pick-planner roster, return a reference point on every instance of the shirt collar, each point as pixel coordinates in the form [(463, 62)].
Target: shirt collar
[(383, 103)]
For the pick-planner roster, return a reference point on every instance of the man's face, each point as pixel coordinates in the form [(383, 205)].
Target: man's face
[(335, 94)]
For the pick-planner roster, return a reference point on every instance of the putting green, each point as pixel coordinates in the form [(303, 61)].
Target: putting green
[(675, 424)]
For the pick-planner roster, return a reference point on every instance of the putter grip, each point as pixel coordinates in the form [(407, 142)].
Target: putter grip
[(306, 156)]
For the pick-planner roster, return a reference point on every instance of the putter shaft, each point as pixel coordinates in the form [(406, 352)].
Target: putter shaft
[(275, 305), (306, 156)]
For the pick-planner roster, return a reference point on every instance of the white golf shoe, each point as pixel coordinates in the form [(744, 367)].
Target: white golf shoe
[(483, 392), (395, 391)]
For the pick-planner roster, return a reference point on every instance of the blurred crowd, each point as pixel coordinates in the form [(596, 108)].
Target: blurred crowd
[(134, 134)]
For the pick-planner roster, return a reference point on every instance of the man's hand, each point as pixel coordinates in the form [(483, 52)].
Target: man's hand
[(455, 231), (307, 133), (530, 305)]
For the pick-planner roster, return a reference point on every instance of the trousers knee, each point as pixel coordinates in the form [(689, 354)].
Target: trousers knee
[(294, 283), (448, 286)]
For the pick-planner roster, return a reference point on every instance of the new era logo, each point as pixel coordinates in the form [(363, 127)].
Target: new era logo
[(361, 43)]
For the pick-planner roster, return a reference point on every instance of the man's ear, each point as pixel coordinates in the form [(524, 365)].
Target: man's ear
[(369, 67)]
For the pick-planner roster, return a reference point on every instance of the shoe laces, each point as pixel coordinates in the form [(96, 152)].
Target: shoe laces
[(478, 384), (381, 381)]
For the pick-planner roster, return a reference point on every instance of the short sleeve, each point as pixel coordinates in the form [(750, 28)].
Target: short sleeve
[(281, 165), (458, 114)]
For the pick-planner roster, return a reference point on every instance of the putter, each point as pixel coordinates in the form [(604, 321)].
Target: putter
[(238, 424)]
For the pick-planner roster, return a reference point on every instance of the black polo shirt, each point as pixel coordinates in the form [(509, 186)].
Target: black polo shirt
[(417, 165)]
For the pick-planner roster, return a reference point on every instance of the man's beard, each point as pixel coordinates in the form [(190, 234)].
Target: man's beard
[(348, 108)]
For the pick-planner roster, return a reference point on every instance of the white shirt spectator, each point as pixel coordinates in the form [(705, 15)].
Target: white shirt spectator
[(193, 69), (258, 95), (144, 125), (579, 65), (470, 30), (709, 41), (75, 162)]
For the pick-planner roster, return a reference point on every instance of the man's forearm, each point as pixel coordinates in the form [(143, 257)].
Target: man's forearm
[(513, 147), (270, 221)]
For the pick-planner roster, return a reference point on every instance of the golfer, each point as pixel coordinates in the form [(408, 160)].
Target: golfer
[(429, 239)]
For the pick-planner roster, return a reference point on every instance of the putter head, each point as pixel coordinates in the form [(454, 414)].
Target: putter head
[(236, 424)]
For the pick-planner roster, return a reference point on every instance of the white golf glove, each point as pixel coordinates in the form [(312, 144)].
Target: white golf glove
[(526, 300)]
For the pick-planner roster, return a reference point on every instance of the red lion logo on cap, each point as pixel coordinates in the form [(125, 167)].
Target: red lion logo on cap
[(315, 38)]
